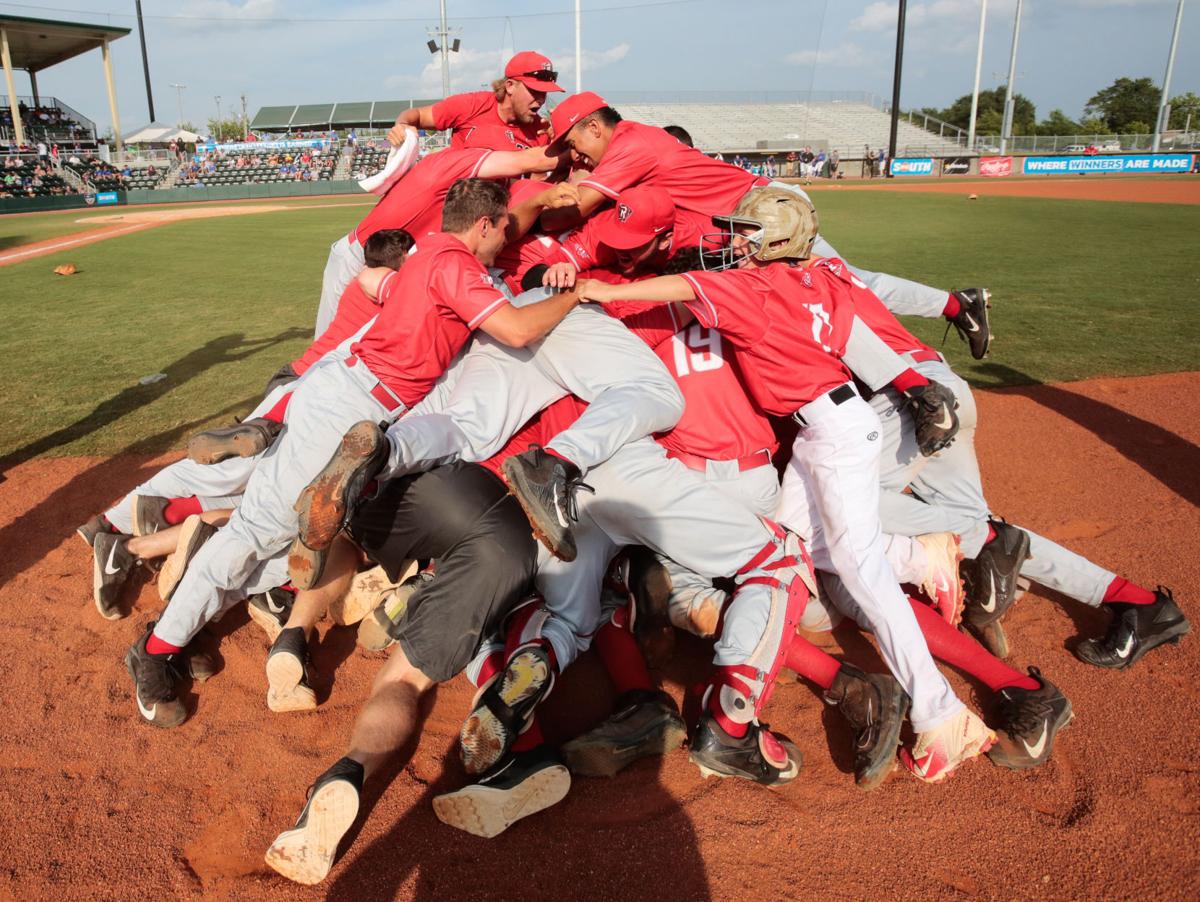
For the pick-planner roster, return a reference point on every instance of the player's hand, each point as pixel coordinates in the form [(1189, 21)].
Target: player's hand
[(398, 133), (560, 275), (594, 290), (559, 196)]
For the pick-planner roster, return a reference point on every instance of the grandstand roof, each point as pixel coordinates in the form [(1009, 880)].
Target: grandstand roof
[(356, 114), (37, 44)]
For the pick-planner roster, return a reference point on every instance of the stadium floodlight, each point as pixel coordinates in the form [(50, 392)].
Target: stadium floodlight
[(432, 45), (444, 47)]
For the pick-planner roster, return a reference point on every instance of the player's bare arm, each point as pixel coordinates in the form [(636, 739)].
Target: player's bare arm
[(660, 290), (417, 117), (521, 326), (561, 219), (371, 278), (523, 216), (559, 275), (511, 164)]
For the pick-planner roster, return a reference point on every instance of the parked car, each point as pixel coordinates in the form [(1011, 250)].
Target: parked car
[(1110, 147), (1074, 148)]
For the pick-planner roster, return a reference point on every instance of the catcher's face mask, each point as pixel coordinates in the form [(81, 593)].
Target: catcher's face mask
[(734, 245)]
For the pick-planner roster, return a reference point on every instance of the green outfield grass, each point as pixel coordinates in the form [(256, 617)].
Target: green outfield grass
[(1080, 289)]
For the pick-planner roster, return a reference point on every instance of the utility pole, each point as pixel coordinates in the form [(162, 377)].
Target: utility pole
[(217, 122), (1164, 107), (245, 120), (578, 46), (978, 66), (443, 45), (896, 87), (179, 89), (145, 59), (1009, 102)]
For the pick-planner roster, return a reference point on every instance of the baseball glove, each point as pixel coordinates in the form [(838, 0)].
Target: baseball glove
[(932, 407), (66, 269)]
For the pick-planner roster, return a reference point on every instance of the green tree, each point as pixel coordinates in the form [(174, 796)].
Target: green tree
[(1094, 125), (1057, 123), (1181, 106), (959, 112), (226, 129), (1125, 101)]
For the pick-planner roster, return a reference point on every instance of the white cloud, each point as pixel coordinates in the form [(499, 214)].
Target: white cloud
[(846, 54), (881, 15)]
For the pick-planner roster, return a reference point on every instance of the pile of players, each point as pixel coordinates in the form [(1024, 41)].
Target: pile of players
[(556, 369)]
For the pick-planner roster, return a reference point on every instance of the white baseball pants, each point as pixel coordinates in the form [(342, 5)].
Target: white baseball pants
[(344, 263)]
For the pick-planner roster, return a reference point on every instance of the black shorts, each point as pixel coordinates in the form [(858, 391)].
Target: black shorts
[(463, 517)]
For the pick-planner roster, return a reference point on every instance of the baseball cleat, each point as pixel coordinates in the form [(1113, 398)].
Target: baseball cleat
[(991, 585), (112, 565), (942, 584), (646, 723), (149, 514), (155, 683), (1135, 630), (545, 485), (503, 708), (972, 322), (245, 439), (192, 535), (380, 629), (306, 565), (521, 784), (1028, 721), (875, 706), (937, 753), (305, 853), (98, 525), (287, 673), (327, 502), (271, 610), (759, 756)]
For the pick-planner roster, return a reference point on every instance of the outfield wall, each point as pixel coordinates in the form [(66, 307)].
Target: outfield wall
[(180, 195)]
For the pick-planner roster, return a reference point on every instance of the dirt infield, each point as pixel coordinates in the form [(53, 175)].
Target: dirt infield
[(1152, 190), (101, 805)]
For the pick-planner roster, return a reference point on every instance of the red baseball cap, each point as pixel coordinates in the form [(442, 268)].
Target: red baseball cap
[(533, 70), (573, 108), (640, 215)]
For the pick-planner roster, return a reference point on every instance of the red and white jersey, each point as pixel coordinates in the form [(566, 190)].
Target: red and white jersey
[(430, 307), (583, 249), (878, 318), (355, 308), (414, 202), (520, 256), (789, 325), (476, 122), (643, 154)]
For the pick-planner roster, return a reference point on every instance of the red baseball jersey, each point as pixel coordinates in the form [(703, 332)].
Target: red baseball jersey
[(430, 307), (519, 256), (354, 309), (877, 317), (414, 203), (476, 122), (584, 250), (642, 154), (789, 325), (544, 425)]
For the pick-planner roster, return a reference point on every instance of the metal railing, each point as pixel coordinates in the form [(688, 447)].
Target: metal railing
[(1036, 144), (749, 98)]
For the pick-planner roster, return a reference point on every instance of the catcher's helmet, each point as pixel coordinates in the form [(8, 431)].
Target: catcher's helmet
[(785, 226)]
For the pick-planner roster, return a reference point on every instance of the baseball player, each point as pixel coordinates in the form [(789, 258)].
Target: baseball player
[(430, 307), (790, 323), (621, 154)]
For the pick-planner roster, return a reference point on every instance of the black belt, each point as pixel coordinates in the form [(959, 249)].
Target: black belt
[(838, 396)]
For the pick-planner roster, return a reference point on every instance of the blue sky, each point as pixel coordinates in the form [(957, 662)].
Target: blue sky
[(376, 50)]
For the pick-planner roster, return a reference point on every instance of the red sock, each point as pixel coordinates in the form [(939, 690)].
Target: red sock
[(275, 414), (1122, 590), (622, 656), (811, 663), (909, 379), (737, 730), (959, 650), (991, 534), (157, 646), (531, 738), (179, 509), (952, 308)]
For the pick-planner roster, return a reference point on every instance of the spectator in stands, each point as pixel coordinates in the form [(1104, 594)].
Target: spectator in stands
[(819, 170), (772, 168), (43, 151), (883, 163), (791, 161), (834, 159)]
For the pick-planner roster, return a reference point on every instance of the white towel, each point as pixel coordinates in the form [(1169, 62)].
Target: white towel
[(400, 160)]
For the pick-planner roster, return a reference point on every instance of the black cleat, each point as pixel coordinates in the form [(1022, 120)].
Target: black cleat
[(1027, 722), (545, 486), (646, 723), (380, 629), (504, 707), (972, 322), (521, 784), (149, 514), (875, 706), (155, 681), (287, 673), (760, 755), (96, 526), (112, 564), (990, 581), (305, 853), (245, 439), (271, 610), (1135, 630)]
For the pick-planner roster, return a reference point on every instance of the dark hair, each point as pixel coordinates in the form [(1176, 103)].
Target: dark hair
[(679, 133), (387, 247), (470, 199), (606, 115)]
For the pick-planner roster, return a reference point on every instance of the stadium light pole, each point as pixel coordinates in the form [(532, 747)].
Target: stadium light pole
[(896, 87), (578, 46), (179, 89), (1164, 106), (1009, 102), (445, 52), (978, 68), (145, 59)]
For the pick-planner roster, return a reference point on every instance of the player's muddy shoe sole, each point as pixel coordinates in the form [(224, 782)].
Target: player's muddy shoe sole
[(545, 486), (327, 502), (380, 629), (305, 854), (192, 536), (503, 708), (306, 565), (523, 784), (246, 439), (645, 724), (287, 674)]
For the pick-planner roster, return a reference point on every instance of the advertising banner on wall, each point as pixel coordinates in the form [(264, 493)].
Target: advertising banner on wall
[(922, 166), (1150, 162), (995, 167), (956, 166)]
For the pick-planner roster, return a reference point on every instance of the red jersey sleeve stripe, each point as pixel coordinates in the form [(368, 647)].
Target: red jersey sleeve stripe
[(383, 286), (479, 165), (712, 310), (571, 257), (603, 189), (487, 311), (674, 317)]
